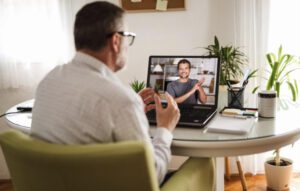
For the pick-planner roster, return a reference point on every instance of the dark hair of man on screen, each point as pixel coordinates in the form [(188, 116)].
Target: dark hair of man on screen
[(184, 61)]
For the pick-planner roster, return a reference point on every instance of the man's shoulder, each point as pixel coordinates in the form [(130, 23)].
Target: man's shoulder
[(119, 94), (51, 76), (193, 81), (173, 83), (172, 86)]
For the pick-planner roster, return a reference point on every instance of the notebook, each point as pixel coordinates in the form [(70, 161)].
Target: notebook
[(178, 75), (231, 125)]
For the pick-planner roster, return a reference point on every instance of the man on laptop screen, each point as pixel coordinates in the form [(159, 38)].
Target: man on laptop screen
[(186, 90), (192, 80)]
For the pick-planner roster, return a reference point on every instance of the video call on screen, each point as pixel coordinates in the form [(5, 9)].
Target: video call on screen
[(163, 70)]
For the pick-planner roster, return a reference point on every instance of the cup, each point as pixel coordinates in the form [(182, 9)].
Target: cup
[(267, 103)]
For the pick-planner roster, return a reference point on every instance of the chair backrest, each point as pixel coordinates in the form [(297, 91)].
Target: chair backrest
[(39, 166)]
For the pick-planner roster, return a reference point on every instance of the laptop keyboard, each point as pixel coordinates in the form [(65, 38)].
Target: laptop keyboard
[(151, 115), (188, 116), (185, 115)]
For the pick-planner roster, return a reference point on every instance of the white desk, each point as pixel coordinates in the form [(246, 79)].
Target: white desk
[(266, 135), (20, 121)]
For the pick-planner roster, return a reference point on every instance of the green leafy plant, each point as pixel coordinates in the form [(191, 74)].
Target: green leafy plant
[(231, 58), (137, 86), (248, 76), (281, 67), (252, 74), (280, 70)]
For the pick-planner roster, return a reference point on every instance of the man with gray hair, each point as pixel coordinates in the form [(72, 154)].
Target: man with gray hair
[(83, 102)]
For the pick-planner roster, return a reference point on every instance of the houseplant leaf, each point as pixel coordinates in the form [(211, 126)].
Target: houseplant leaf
[(137, 86), (277, 88), (293, 91), (217, 45), (271, 58), (231, 59), (279, 58), (296, 88), (255, 89), (284, 77), (281, 66), (272, 78), (252, 74)]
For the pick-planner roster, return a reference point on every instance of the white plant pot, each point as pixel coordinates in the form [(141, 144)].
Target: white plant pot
[(278, 177), (223, 97)]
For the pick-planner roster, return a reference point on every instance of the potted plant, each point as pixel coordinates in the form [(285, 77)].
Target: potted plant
[(232, 61), (137, 86), (281, 67), (278, 169), (278, 172)]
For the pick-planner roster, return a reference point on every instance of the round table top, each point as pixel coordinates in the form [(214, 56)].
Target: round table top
[(20, 121), (266, 134)]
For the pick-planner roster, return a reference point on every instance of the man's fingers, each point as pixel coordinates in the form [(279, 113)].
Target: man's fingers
[(157, 102), (201, 80), (171, 100), (150, 107), (149, 100), (146, 92)]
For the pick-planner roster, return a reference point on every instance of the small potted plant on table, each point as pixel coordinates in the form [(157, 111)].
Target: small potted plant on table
[(137, 86)]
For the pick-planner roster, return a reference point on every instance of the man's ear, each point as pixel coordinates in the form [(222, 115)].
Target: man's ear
[(115, 42)]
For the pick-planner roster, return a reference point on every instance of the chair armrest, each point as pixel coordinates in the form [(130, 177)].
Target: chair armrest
[(194, 174)]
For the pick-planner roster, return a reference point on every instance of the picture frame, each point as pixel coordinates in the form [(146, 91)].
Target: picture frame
[(150, 5)]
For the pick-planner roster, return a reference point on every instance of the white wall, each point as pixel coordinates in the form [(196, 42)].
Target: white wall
[(223, 20), (169, 33)]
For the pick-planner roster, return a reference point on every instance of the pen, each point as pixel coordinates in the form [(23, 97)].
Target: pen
[(249, 114), (235, 116)]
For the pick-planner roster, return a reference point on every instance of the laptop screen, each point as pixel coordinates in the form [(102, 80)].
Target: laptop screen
[(191, 80)]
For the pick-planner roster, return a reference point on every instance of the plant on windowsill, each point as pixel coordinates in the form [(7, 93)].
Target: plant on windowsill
[(137, 86)]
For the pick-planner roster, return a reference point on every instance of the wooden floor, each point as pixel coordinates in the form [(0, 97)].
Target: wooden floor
[(257, 183), (254, 183)]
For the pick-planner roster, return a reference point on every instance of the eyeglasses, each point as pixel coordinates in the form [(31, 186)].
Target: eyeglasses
[(130, 36)]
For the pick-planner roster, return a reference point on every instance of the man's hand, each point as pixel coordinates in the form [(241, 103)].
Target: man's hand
[(167, 117), (201, 81), (202, 96), (147, 96), (196, 87)]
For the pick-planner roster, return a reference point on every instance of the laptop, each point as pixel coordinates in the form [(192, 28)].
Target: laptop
[(199, 107)]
